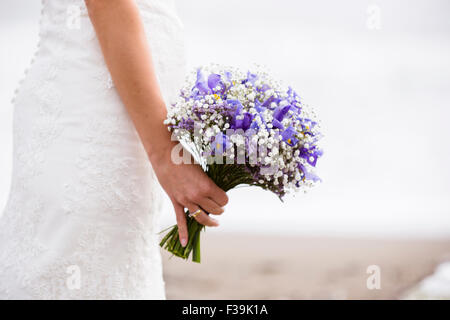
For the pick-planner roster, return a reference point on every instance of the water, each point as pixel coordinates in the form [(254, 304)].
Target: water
[(379, 75)]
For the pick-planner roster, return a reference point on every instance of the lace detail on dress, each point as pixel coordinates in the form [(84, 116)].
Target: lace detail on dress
[(18, 230), (32, 138), (91, 258), (100, 175), (83, 192)]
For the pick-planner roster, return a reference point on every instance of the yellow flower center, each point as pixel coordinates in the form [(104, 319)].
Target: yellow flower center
[(216, 96)]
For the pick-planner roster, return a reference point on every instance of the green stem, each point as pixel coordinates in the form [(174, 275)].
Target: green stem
[(196, 250), (191, 232)]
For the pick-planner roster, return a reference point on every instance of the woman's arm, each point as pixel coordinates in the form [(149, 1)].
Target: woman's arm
[(127, 54)]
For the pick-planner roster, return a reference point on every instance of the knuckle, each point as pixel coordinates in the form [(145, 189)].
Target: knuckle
[(182, 199), (196, 196), (207, 188)]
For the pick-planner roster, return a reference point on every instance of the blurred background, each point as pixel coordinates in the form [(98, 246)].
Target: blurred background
[(378, 74)]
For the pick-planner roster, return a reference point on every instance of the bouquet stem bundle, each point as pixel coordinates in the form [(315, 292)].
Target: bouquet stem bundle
[(171, 241)]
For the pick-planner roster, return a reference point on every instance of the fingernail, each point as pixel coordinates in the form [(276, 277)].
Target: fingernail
[(183, 242)]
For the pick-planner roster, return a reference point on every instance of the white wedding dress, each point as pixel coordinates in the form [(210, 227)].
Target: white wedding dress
[(81, 221)]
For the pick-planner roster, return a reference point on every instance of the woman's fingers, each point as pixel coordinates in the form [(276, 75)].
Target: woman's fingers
[(202, 217), (210, 206), (181, 222), (218, 195), (206, 220)]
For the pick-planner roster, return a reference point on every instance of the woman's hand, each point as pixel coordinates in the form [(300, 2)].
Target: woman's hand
[(189, 187), (127, 54)]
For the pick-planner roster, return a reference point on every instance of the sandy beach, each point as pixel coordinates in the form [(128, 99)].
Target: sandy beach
[(239, 266)]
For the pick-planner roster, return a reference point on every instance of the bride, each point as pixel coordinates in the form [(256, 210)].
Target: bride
[(91, 152)]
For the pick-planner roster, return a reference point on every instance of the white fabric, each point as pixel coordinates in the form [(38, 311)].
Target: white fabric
[(82, 217)]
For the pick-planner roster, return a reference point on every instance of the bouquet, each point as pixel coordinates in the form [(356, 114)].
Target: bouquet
[(244, 129)]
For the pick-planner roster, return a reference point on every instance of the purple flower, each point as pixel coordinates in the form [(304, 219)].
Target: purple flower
[(251, 78), (308, 175), (209, 87), (220, 144), (214, 81), (288, 136), (237, 104), (228, 76), (268, 101), (294, 97), (277, 124), (201, 84), (311, 154), (244, 124), (280, 112)]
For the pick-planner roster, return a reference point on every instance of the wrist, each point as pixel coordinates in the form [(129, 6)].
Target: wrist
[(162, 155)]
